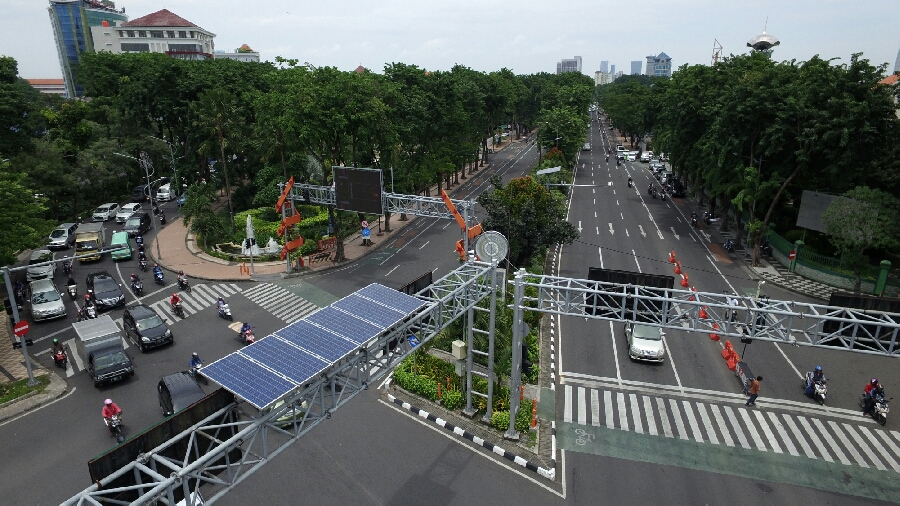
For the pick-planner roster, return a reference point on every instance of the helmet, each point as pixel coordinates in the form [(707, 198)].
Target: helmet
[(222, 299), (55, 341), (181, 273), (874, 381), (87, 296), (175, 295), (194, 354), (107, 402), (818, 368)]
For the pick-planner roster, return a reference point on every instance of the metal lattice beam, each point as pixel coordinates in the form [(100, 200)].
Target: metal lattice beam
[(395, 203)]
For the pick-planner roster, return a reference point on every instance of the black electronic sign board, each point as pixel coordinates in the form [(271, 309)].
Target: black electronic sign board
[(358, 189)]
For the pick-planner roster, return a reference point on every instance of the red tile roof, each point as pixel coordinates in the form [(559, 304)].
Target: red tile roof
[(45, 81), (891, 79), (161, 18)]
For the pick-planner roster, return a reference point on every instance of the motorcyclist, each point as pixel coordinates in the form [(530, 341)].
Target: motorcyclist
[(870, 386), (157, 271), (70, 281), (175, 299), (134, 280), (220, 304), (139, 240), (88, 300), (874, 395), (57, 347), (630, 182), (182, 279), (245, 328), (67, 266), (817, 375), (110, 409), (196, 361)]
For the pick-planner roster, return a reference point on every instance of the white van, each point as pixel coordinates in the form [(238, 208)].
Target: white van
[(165, 193)]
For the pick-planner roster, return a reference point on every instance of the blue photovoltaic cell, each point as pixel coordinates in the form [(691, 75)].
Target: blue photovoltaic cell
[(344, 324), (294, 363), (317, 340), (249, 380), (406, 304), (369, 310)]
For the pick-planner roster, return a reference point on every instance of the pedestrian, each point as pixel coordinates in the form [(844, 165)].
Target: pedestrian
[(754, 391), (734, 303)]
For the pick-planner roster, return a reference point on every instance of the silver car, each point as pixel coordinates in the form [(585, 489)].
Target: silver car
[(645, 342), (63, 237), (105, 212), (43, 271), (46, 301)]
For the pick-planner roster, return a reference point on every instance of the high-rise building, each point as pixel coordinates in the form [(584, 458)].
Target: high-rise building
[(567, 65), (72, 21), (636, 68), (659, 65), (612, 69), (604, 67)]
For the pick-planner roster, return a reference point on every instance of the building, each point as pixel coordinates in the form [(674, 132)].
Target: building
[(243, 53), (566, 65), (897, 63), (636, 68), (49, 86), (72, 21), (659, 65), (890, 81), (604, 67), (601, 78), (160, 32)]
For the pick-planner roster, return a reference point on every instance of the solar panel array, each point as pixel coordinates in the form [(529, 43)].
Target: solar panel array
[(269, 369)]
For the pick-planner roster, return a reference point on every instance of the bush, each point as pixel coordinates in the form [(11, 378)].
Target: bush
[(500, 420), (453, 400), (523, 417)]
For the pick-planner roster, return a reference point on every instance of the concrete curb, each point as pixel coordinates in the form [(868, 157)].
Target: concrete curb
[(550, 474), (33, 401)]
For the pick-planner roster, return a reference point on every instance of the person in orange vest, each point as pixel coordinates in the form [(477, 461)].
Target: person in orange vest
[(754, 391)]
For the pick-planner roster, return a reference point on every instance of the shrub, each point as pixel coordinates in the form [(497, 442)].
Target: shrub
[(500, 420), (523, 417), (453, 400)]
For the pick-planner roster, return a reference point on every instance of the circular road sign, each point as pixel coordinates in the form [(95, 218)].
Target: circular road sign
[(792, 255), (21, 328), (366, 232)]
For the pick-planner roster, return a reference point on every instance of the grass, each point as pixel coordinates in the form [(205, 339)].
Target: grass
[(20, 388)]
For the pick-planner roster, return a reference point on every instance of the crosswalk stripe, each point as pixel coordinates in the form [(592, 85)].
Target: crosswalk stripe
[(847, 445), (779, 427), (267, 296), (595, 407), (799, 436), (568, 407), (582, 407), (623, 415), (831, 442), (887, 440), (896, 434), (664, 417), (190, 306), (692, 421), (301, 309), (710, 429), (651, 420), (818, 441), (74, 356), (607, 402), (754, 434), (163, 308), (679, 423), (260, 287), (636, 414), (723, 427), (867, 449), (732, 417), (234, 287), (768, 431)]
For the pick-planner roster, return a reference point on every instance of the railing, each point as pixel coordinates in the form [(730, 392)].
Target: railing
[(779, 243)]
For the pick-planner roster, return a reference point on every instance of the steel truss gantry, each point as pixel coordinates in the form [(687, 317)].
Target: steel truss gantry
[(395, 203), (261, 436)]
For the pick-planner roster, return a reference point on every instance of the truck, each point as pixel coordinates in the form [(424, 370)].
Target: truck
[(100, 344), (90, 237)]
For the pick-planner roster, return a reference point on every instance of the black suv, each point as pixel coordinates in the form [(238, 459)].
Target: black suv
[(178, 391), (145, 328), (107, 294)]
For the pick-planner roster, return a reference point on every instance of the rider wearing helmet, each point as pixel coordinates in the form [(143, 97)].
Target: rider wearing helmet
[(110, 409), (220, 303), (57, 347), (196, 361), (245, 328), (817, 375), (874, 395), (871, 386), (175, 299)]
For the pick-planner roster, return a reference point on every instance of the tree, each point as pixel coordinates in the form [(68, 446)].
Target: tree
[(217, 115), (21, 211), (867, 218), (528, 215), (197, 212)]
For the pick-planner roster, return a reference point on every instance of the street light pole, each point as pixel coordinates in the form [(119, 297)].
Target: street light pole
[(172, 155), (15, 314), (144, 161)]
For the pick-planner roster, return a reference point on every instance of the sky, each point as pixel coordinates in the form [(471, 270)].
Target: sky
[(525, 36)]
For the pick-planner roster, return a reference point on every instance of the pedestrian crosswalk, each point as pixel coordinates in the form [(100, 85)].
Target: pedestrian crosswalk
[(199, 298), (279, 302), (722, 424)]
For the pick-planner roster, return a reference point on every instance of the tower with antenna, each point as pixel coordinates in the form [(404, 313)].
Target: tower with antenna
[(764, 43), (717, 52)]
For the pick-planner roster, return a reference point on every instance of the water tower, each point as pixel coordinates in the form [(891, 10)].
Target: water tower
[(763, 43)]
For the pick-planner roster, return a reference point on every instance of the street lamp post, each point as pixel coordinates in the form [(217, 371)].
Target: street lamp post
[(144, 161), (172, 155)]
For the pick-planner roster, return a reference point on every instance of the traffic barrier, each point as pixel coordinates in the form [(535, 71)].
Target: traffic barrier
[(677, 267), (693, 289), (244, 268), (533, 413), (732, 361), (672, 257), (702, 313), (684, 281)]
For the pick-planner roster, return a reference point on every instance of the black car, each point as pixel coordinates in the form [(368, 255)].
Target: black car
[(178, 391), (107, 294), (137, 223), (145, 328)]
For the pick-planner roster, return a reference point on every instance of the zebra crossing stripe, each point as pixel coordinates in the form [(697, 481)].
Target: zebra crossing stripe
[(261, 287), (692, 421), (710, 430), (799, 436), (663, 417), (623, 414), (636, 412), (754, 434), (607, 403), (595, 407), (679, 423), (726, 434), (867, 449), (887, 441), (831, 442), (567, 413), (651, 420), (818, 441), (779, 427), (582, 407), (768, 431)]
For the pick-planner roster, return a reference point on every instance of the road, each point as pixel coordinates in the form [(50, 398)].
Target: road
[(372, 453)]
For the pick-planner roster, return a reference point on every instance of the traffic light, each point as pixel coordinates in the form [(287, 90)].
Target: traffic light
[(526, 363)]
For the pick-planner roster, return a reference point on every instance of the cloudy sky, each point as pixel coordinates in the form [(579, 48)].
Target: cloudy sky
[(526, 36)]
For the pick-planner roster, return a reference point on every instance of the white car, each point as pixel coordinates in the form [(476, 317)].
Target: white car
[(126, 211), (43, 271), (105, 212), (645, 157), (645, 342), (165, 193), (46, 301)]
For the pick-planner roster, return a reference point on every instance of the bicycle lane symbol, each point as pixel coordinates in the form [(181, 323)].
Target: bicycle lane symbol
[(583, 437)]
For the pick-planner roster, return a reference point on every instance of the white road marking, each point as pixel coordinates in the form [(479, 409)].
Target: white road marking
[(636, 261), (611, 231), (392, 270), (692, 421), (677, 237), (664, 417), (643, 234), (426, 244), (567, 412), (600, 251), (623, 413), (582, 407), (595, 407), (607, 403)]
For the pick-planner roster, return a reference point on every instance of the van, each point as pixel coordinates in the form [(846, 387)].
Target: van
[(165, 193), (137, 223), (140, 193), (120, 239)]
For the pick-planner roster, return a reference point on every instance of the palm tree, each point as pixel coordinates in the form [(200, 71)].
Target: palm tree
[(217, 118)]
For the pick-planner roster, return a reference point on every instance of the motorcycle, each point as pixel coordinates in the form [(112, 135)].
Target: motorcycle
[(247, 337), (67, 267), (158, 276), (73, 291), (819, 388), (662, 195), (879, 410), (225, 312), (183, 284), (694, 221), (139, 240), (729, 245), (162, 217), (60, 359), (193, 372), (138, 288), (114, 423), (88, 312), (630, 183), (142, 263), (179, 311)]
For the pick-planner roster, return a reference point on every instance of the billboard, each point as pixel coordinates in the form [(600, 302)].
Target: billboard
[(812, 206), (357, 189)]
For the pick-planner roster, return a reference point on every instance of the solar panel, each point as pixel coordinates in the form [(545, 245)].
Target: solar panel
[(369, 310), (295, 364), (344, 325), (391, 298), (249, 380), (317, 340)]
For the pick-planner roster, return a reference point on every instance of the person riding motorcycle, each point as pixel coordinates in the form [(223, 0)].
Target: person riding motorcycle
[(220, 304), (874, 396), (70, 281), (817, 375), (195, 361), (630, 182), (175, 299), (871, 386), (182, 279), (88, 300), (245, 328), (134, 280), (157, 271), (110, 409), (57, 347)]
